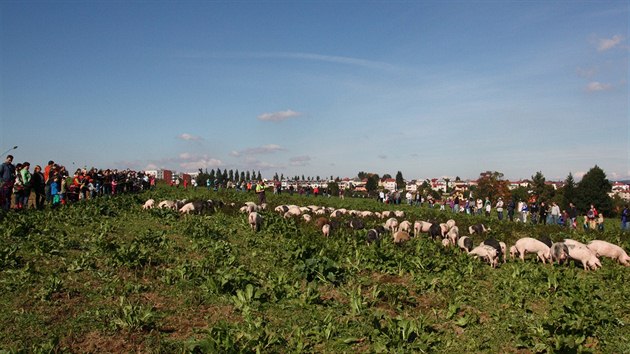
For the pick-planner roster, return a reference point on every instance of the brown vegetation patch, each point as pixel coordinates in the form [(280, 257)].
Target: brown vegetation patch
[(98, 342), (185, 323)]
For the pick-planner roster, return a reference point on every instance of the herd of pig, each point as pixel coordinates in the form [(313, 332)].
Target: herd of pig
[(327, 219)]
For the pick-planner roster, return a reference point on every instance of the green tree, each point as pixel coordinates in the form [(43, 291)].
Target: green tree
[(492, 185), (259, 176), (372, 183), (248, 176), (594, 189), (231, 176), (333, 188), (569, 192), (400, 181), (275, 177), (202, 177), (541, 190)]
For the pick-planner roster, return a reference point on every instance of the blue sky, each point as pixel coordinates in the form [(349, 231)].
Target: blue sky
[(319, 88)]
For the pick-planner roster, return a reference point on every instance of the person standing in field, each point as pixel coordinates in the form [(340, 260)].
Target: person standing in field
[(39, 187), (625, 213), (487, 205), (499, 207), (260, 190), (7, 178)]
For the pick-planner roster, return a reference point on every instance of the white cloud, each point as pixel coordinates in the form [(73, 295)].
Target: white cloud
[(279, 116), (299, 160), (604, 44), (185, 156), (201, 163), (382, 157), (597, 86), (265, 149), (189, 137)]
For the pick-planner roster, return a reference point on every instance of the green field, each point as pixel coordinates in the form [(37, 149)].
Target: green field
[(106, 276)]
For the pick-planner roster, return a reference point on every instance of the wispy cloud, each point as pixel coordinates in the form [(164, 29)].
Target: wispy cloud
[(257, 164), (299, 160), (327, 58), (382, 157), (202, 163), (189, 137), (604, 44), (586, 72), (265, 149), (335, 59), (595, 86), (279, 116)]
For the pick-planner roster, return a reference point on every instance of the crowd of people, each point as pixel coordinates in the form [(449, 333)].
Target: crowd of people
[(533, 211), (54, 186)]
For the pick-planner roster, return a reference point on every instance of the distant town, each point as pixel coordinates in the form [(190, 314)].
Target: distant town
[(441, 185)]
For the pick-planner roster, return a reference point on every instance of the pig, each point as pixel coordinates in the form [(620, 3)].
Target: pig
[(581, 253), (404, 226), (356, 224), (446, 242), (281, 209), (478, 229), (386, 214), (444, 229), (531, 245), (513, 252), (450, 223), (187, 208), (399, 214), (487, 253), (336, 214), (453, 234), (496, 245), (570, 242), (401, 236), (366, 214), (255, 221), (149, 204), (435, 230), (167, 204), (321, 221), (320, 212), (392, 225), (306, 217), (326, 230), (559, 252), (546, 240), (374, 235), (609, 250), (180, 203), (421, 226), (465, 243)]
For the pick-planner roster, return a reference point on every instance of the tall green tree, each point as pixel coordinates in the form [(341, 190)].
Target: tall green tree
[(569, 191), (594, 189), (248, 177), (231, 175), (541, 190), (372, 183), (400, 181)]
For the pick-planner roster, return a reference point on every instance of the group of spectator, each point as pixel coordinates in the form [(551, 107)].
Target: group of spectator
[(54, 186)]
